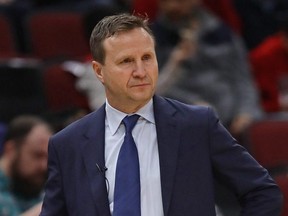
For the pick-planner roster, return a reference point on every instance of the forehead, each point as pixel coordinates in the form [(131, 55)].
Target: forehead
[(135, 37), (38, 137)]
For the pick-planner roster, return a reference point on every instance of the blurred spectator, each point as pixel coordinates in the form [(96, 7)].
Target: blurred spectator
[(203, 62), (270, 67), (222, 8), (23, 165)]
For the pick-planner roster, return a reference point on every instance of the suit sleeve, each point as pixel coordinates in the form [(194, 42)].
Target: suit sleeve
[(257, 192), (54, 202)]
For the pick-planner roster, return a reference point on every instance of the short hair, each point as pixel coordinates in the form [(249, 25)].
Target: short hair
[(111, 25), (19, 128)]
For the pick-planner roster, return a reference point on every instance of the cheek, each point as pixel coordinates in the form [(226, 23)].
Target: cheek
[(116, 78), (24, 167), (153, 71), (27, 165)]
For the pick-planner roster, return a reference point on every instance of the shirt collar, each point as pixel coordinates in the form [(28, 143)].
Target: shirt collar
[(114, 117)]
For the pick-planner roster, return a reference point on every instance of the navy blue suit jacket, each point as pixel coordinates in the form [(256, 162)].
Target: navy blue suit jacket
[(194, 149)]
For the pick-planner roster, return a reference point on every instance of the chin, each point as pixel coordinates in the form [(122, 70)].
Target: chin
[(142, 98)]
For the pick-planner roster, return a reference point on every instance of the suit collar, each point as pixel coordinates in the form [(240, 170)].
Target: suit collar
[(168, 137), (93, 156)]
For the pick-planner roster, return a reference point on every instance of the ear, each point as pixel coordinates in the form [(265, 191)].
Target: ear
[(97, 67)]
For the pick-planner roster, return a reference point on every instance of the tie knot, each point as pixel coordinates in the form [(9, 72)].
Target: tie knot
[(130, 122)]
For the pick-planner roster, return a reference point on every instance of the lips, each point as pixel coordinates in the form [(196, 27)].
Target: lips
[(140, 85)]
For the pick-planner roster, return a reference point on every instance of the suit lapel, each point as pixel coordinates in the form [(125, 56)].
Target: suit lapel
[(168, 136), (93, 156)]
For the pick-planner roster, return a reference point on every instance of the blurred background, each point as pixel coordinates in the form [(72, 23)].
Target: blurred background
[(232, 55)]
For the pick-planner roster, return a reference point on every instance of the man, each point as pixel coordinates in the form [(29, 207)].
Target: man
[(23, 165), (182, 149)]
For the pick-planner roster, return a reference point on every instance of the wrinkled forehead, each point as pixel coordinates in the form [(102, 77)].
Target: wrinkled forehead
[(129, 42), (136, 34)]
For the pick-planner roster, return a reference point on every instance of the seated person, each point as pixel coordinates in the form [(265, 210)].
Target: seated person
[(270, 66), (23, 166), (203, 62)]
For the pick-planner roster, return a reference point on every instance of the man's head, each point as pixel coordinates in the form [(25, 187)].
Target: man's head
[(111, 25), (25, 154), (123, 49)]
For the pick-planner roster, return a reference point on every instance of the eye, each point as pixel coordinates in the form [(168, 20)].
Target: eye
[(126, 61), (146, 57)]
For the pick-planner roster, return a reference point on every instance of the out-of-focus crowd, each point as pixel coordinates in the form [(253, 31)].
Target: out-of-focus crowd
[(231, 55)]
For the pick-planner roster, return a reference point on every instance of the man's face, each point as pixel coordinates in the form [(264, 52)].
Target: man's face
[(29, 169), (130, 71)]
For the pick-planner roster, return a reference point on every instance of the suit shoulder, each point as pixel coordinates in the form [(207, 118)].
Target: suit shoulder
[(183, 107), (76, 127), (186, 113)]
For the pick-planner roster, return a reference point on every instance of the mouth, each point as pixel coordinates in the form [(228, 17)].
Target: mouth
[(140, 85)]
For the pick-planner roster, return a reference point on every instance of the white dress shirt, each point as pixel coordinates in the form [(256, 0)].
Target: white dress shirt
[(145, 137)]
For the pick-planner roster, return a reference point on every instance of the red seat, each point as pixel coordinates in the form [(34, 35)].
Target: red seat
[(58, 34), (282, 181), (60, 90), (268, 142), (21, 89), (7, 42), (149, 7)]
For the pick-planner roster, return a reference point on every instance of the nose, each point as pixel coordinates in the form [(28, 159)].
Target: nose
[(139, 70)]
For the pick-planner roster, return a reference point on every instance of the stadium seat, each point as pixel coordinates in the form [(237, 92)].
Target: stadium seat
[(57, 34)]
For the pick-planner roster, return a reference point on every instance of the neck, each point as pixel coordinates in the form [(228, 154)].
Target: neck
[(128, 108)]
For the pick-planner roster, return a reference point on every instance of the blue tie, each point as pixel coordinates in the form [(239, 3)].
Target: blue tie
[(127, 181)]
